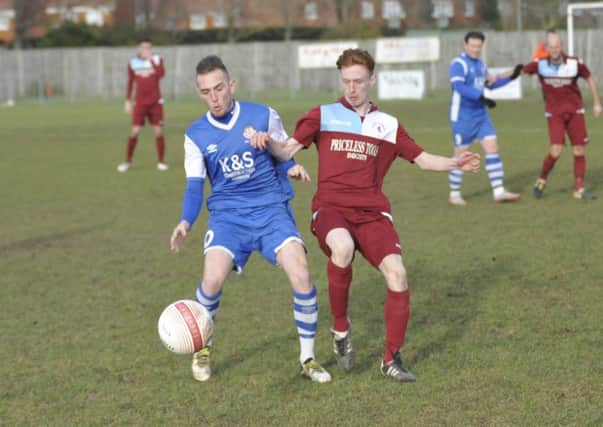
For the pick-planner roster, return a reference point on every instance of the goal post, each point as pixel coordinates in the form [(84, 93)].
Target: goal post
[(571, 8)]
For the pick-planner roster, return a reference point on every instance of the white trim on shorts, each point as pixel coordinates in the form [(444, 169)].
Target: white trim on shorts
[(287, 240), (238, 268), (388, 216)]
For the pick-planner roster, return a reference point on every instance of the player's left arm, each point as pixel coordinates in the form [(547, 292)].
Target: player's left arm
[(597, 109), (467, 162), (504, 78), (408, 149), (157, 63)]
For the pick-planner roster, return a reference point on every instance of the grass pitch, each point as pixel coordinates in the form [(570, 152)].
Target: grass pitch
[(506, 299)]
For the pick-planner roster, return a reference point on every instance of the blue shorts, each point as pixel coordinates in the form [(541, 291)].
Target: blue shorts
[(464, 132), (240, 232)]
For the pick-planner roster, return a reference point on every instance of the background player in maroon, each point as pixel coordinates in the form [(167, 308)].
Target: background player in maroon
[(145, 71), (564, 110), (356, 145)]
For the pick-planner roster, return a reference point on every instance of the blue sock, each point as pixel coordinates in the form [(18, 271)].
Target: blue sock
[(211, 303), (305, 312), (455, 179), (494, 167)]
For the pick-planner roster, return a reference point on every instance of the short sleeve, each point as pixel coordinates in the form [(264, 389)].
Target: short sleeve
[(583, 70), (276, 131), (308, 127), (406, 147), (194, 164), (531, 68), (457, 71)]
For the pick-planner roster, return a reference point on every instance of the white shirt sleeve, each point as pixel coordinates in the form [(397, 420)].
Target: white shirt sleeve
[(276, 131), (194, 164)]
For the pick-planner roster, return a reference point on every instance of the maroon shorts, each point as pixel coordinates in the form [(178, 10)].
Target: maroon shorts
[(153, 111), (373, 233), (573, 123)]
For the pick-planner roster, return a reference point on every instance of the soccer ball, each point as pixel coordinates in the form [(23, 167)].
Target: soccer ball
[(185, 327)]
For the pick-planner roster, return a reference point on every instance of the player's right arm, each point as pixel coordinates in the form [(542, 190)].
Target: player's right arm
[(457, 73), (282, 150), (194, 166), (306, 132), (130, 87), (531, 68)]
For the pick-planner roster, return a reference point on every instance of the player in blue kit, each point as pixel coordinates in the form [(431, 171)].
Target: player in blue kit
[(248, 207), (469, 118)]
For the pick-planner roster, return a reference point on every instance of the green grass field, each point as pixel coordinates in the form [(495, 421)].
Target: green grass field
[(506, 299)]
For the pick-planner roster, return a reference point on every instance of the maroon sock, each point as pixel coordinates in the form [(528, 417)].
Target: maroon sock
[(579, 171), (130, 149), (160, 144), (547, 165), (339, 289), (397, 311)]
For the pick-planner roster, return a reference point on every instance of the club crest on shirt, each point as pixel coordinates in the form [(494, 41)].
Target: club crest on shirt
[(249, 131), (379, 128)]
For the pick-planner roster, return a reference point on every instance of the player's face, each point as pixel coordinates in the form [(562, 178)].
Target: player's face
[(216, 91), (145, 50), (473, 48), (554, 47), (356, 81)]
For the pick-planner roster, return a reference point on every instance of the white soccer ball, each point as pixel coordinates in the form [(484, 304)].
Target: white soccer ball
[(185, 327)]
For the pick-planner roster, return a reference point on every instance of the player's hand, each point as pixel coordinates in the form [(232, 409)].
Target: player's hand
[(178, 235), (128, 106), (260, 140), (597, 110), (155, 59), (490, 103), (299, 173), (468, 161), (516, 71)]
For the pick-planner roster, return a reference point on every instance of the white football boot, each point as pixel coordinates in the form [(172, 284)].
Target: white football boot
[(123, 167), (311, 369), (201, 365)]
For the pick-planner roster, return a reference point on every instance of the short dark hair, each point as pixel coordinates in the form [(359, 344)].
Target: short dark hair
[(475, 35), (144, 39), (211, 63), (351, 57)]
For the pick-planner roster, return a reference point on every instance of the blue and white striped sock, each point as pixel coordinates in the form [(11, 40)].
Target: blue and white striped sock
[(305, 312), (211, 303), (494, 167), (455, 180)]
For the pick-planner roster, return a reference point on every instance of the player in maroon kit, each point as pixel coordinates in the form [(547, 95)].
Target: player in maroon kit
[(564, 110), (145, 70), (356, 145)]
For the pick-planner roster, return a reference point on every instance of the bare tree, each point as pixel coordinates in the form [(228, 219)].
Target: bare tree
[(26, 16), (286, 9), (342, 10), (233, 13)]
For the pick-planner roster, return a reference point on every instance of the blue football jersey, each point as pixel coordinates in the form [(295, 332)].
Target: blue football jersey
[(240, 175), (472, 74)]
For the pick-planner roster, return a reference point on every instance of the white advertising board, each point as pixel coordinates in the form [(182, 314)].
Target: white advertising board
[(404, 84), (321, 55), (407, 49)]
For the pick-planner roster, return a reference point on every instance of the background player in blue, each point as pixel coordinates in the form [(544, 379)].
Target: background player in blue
[(469, 119), (248, 209)]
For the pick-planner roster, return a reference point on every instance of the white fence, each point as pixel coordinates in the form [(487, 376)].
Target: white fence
[(101, 72)]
